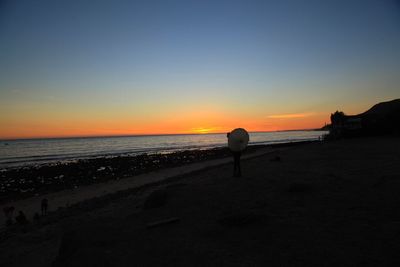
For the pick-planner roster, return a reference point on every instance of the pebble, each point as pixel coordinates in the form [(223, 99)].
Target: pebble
[(56, 176)]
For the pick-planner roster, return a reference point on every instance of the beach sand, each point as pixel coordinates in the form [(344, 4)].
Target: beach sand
[(321, 204), (68, 197)]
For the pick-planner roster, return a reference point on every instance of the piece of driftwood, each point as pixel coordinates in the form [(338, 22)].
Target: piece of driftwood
[(162, 222)]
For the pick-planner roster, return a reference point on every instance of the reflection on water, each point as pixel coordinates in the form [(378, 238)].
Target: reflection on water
[(20, 152)]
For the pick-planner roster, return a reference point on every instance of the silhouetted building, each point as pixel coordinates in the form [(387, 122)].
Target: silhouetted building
[(382, 118)]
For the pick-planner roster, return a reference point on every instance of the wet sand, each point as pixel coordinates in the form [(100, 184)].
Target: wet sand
[(330, 204)]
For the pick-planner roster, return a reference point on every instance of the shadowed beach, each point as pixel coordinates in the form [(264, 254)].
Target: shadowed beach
[(199, 133), (318, 204)]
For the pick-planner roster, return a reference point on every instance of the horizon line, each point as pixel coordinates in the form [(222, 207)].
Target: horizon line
[(139, 135)]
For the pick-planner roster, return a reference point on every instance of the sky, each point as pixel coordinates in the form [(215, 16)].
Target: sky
[(83, 68)]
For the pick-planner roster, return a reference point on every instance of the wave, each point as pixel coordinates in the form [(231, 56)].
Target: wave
[(40, 151)]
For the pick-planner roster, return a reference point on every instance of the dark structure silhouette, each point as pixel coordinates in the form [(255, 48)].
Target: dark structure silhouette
[(382, 118)]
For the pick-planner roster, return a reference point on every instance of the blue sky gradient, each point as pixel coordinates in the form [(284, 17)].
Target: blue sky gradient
[(152, 58)]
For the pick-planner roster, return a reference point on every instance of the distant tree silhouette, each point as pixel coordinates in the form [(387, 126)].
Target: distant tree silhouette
[(338, 118)]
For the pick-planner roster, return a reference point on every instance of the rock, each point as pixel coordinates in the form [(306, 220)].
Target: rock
[(85, 245), (101, 169), (299, 188), (163, 222), (156, 199), (240, 219), (276, 159)]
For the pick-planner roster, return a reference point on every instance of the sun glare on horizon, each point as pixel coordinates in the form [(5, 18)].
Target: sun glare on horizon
[(205, 130), (147, 67)]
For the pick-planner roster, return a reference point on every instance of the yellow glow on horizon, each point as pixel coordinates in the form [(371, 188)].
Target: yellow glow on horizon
[(200, 119), (291, 116), (205, 130), (173, 126)]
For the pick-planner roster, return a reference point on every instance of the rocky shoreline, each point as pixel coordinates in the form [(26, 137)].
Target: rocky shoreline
[(301, 208), (27, 181)]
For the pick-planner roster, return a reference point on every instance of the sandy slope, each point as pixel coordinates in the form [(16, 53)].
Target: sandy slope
[(333, 204), (66, 198)]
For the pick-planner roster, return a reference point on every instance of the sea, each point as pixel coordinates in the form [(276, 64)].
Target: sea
[(24, 152)]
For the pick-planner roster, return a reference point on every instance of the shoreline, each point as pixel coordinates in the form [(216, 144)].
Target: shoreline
[(85, 196), (61, 199), (144, 135), (34, 152), (30, 181), (317, 198), (49, 160)]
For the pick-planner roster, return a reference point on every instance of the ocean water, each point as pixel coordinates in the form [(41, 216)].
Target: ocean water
[(38, 151)]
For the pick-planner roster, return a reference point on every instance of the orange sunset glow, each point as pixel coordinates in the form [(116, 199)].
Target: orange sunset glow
[(191, 123), (189, 68)]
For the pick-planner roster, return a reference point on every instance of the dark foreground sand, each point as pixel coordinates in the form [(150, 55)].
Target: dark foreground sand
[(331, 204)]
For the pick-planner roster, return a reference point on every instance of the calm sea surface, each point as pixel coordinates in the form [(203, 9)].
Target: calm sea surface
[(36, 151)]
